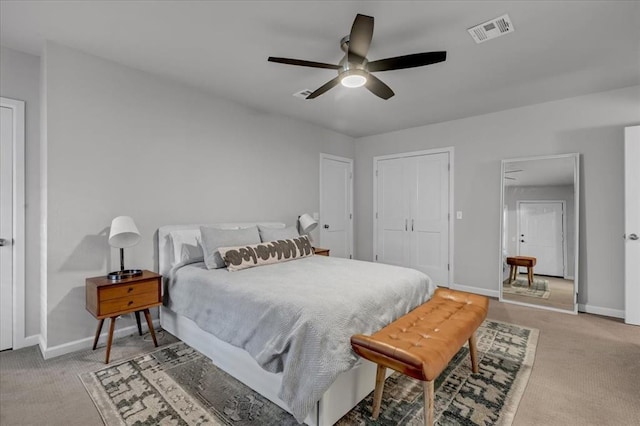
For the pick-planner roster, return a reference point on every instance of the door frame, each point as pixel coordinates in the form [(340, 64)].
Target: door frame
[(18, 245), (564, 228), (448, 150), (350, 227), (631, 224)]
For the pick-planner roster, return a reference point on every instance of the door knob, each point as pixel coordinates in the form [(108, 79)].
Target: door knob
[(326, 226), (633, 237), (3, 242)]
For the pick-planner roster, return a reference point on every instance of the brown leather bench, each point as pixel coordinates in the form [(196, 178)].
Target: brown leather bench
[(421, 343)]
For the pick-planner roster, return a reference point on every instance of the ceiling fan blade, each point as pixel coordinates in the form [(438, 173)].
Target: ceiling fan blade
[(360, 38), (303, 63), (407, 61), (328, 85), (378, 88)]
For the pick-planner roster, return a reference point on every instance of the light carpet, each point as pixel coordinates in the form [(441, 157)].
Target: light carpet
[(539, 288), (178, 385)]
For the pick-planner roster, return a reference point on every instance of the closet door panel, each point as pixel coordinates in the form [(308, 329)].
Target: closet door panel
[(429, 245), (392, 212)]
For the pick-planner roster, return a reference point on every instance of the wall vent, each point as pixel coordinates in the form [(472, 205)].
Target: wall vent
[(303, 93), (491, 29)]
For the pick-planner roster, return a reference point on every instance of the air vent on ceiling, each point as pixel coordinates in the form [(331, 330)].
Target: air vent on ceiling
[(492, 29), (303, 93)]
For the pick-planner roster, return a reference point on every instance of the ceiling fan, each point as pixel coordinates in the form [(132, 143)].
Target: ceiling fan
[(354, 70)]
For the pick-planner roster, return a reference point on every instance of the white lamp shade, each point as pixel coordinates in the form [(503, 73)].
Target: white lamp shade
[(124, 232), (307, 223)]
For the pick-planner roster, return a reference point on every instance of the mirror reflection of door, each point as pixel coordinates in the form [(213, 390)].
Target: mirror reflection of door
[(539, 231), (541, 235)]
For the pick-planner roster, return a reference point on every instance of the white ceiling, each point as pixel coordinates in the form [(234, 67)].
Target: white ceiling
[(559, 49)]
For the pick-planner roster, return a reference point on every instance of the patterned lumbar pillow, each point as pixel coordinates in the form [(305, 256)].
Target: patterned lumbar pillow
[(248, 256)]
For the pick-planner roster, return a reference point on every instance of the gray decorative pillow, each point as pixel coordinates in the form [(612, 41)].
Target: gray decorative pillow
[(214, 238), (273, 234), (248, 256)]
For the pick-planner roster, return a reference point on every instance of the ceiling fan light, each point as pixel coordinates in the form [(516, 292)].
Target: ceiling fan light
[(353, 78)]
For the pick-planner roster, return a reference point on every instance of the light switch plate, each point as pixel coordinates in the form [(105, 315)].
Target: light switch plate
[(459, 214)]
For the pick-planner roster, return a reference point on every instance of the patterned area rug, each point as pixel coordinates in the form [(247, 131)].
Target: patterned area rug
[(539, 288), (179, 386)]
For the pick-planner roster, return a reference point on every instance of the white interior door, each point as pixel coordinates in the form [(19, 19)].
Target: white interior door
[(336, 205), (632, 224), (6, 228), (540, 235), (392, 211)]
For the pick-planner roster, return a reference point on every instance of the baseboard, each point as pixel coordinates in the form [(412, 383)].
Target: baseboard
[(87, 342), (29, 341), (476, 290), (607, 312)]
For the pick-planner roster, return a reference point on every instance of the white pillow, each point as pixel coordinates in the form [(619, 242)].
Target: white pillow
[(186, 245), (214, 238)]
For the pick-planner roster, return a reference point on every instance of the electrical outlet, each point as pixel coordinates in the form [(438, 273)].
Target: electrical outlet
[(459, 214)]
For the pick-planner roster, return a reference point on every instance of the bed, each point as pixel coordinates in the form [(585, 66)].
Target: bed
[(283, 329)]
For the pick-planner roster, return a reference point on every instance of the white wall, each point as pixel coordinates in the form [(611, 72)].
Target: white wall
[(126, 142), (591, 125), (20, 79)]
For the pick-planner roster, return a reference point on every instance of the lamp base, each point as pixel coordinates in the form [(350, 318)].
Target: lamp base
[(127, 273)]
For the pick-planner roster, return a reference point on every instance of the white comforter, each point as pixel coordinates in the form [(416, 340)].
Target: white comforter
[(297, 317)]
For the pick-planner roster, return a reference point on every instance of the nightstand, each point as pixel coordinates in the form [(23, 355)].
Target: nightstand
[(109, 299), (321, 251)]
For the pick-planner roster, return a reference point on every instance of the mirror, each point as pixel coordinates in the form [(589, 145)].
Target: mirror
[(539, 225)]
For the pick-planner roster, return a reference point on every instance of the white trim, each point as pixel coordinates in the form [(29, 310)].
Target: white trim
[(476, 290), (449, 150), (31, 340), (87, 342), (597, 310), (350, 162), (18, 219)]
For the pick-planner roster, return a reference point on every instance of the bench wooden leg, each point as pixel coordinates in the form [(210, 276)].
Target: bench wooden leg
[(473, 352), (530, 275), (428, 403), (512, 274), (377, 393)]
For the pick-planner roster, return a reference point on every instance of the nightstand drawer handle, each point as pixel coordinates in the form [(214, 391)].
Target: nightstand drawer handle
[(130, 289), (130, 302)]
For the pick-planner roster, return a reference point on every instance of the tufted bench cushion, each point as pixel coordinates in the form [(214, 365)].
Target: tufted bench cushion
[(421, 343)]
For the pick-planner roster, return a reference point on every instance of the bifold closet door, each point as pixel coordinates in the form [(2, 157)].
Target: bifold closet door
[(412, 213)]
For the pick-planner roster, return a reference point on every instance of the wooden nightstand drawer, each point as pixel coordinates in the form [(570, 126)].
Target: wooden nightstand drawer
[(120, 304), (116, 291)]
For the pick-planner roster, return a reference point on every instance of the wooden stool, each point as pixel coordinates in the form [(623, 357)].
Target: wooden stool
[(526, 261)]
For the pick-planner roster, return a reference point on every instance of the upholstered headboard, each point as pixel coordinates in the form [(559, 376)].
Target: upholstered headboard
[(165, 245)]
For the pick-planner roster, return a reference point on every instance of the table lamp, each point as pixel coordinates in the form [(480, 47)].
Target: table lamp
[(307, 223), (124, 233)]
